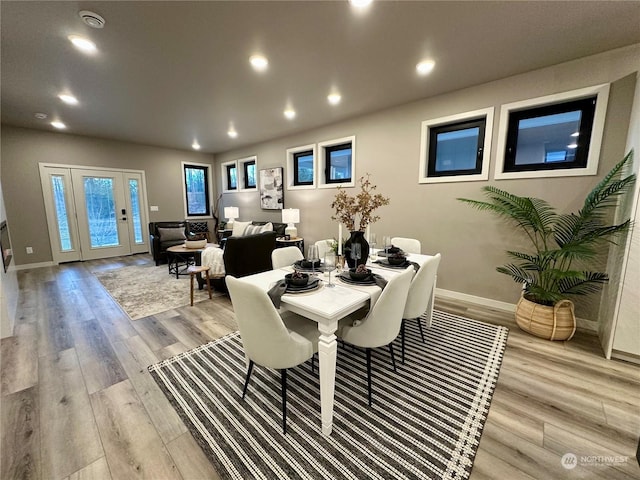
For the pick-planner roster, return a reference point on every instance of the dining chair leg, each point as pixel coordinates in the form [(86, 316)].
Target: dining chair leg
[(402, 338), (393, 357), (283, 378), (421, 332), (369, 374), (246, 381)]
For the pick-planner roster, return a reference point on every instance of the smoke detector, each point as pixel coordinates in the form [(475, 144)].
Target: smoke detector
[(40, 116), (92, 19)]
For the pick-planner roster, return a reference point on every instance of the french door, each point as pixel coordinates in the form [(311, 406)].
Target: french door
[(94, 213)]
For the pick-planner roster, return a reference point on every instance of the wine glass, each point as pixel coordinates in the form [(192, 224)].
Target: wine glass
[(372, 243), (313, 256), (329, 265), (387, 242)]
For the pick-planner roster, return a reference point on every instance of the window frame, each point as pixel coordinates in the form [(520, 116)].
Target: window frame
[(323, 166), (207, 168), (511, 112), (226, 180), (245, 173), (241, 167), (292, 169), (432, 126)]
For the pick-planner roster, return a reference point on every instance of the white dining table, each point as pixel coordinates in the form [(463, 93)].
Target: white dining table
[(327, 306)]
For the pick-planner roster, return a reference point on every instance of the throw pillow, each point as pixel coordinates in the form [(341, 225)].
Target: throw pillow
[(255, 229), (239, 228), (171, 234)]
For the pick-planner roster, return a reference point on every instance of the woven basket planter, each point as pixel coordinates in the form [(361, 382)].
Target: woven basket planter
[(552, 323)]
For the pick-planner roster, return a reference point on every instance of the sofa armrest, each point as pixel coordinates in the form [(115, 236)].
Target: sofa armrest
[(249, 254)]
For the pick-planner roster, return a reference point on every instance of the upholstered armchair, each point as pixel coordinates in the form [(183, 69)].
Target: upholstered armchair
[(163, 235)]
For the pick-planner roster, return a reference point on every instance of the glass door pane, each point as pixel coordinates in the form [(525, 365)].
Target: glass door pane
[(134, 197), (60, 204), (101, 212)]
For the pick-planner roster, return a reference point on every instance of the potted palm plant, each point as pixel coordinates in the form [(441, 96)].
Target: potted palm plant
[(563, 246)]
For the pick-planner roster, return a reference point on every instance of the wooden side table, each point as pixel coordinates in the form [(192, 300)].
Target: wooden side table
[(292, 242), (194, 271)]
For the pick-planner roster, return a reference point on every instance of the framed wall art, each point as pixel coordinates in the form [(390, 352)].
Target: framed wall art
[(271, 189)]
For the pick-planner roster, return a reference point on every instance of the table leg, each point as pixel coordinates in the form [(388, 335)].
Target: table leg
[(327, 351)]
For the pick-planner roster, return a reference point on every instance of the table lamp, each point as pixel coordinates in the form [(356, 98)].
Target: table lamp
[(231, 213), (290, 216)]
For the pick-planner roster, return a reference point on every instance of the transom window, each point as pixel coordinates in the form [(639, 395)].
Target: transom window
[(232, 177), (456, 148), (338, 163), (550, 137), (196, 188), (249, 171), (303, 168), (554, 136)]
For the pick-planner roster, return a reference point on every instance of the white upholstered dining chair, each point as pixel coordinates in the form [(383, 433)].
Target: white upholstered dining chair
[(408, 245), (285, 257), (419, 304), (324, 246), (270, 339), (382, 324)]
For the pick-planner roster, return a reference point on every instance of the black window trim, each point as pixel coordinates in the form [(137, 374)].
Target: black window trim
[(327, 163), (245, 170), (205, 169), (467, 123), (228, 169), (296, 156), (587, 107)]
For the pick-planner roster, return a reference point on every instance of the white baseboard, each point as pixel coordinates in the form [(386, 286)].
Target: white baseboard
[(581, 323), (29, 266), (485, 302), (627, 357)]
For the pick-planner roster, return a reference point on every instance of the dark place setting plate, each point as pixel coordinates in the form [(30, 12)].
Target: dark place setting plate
[(383, 262), (345, 277), (312, 285)]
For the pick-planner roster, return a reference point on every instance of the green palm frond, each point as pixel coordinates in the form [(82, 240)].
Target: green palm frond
[(604, 193), (520, 275), (587, 282)]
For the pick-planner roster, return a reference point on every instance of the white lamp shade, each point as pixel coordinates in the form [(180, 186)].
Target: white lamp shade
[(291, 215), (231, 212)]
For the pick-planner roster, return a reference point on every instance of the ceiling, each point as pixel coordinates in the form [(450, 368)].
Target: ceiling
[(169, 73)]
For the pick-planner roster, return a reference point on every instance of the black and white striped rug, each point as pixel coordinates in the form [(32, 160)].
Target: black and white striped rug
[(425, 422)]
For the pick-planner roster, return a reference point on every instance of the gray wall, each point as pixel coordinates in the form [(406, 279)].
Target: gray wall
[(388, 146), (23, 149)]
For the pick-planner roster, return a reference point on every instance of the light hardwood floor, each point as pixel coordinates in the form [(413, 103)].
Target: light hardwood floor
[(77, 401)]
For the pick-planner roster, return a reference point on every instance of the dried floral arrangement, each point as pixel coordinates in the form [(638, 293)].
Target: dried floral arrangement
[(358, 209)]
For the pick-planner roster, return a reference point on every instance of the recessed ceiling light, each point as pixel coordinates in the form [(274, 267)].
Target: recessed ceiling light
[(425, 67), (83, 44), (232, 133), (572, 145), (195, 145), (68, 99), (40, 116), (92, 19), (290, 113), (360, 3), (259, 62), (334, 98), (58, 125)]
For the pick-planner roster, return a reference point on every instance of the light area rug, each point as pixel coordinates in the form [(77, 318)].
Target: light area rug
[(425, 422), (146, 290)]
